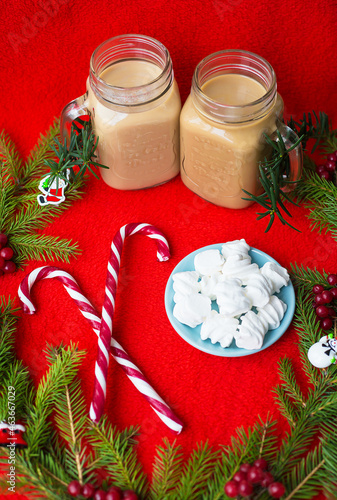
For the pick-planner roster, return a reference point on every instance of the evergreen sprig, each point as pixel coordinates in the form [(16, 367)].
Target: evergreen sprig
[(320, 197), (275, 171), (75, 156), (20, 215)]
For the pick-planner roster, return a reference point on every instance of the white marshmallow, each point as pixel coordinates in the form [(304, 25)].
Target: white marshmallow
[(208, 284), (219, 328), (236, 247), (237, 267), (232, 302), (208, 262), (186, 283), (178, 296), (273, 312), (251, 332), (258, 289), (192, 309), (277, 274)]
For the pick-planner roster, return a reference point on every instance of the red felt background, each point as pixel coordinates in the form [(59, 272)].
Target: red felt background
[(45, 51)]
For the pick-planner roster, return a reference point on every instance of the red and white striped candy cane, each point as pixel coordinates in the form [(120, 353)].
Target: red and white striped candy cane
[(102, 363), (88, 311)]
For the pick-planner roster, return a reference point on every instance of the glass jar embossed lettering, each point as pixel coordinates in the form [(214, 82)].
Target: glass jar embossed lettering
[(134, 104), (233, 102)]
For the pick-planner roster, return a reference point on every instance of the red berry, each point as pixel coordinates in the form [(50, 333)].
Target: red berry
[(231, 489), (326, 323), (322, 311), (245, 488), (245, 468), (129, 495), (255, 475), (74, 488), (267, 479), (332, 156), (318, 289), (1, 272), (327, 296), (6, 253), (334, 292), (325, 175), (88, 491), (320, 168), (239, 476), (261, 463), (3, 240), (114, 493), (276, 490), (2, 262), (319, 299), (100, 495), (330, 166), (9, 267), (332, 312), (332, 279)]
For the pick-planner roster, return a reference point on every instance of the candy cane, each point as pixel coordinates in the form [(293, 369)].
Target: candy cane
[(86, 308), (102, 363)]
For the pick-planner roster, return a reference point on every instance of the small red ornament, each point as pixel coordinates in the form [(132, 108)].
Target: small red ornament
[(114, 493), (129, 495), (12, 435), (276, 490), (74, 488)]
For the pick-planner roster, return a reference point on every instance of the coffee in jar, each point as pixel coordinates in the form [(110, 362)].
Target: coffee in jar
[(233, 103), (134, 104)]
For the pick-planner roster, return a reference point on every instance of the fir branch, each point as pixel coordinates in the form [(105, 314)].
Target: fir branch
[(16, 384), (285, 405), (290, 385), (275, 172), (166, 470), (329, 452), (71, 419), (303, 482), (306, 278), (116, 454), (196, 474), (42, 247), (8, 321), (64, 366), (9, 155), (246, 447), (20, 214)]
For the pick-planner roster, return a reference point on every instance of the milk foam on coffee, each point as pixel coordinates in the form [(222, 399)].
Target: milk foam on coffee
[(139, 144), (218, 160)]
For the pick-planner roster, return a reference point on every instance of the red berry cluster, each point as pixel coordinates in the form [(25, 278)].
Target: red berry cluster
[(322, 302), (326, 171), (6, 253), (248, 476), (89, 491)]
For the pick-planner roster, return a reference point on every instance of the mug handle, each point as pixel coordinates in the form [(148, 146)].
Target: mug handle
[(70, 112), (295, 156)]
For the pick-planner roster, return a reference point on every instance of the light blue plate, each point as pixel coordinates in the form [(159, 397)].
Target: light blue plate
[(192, 335)]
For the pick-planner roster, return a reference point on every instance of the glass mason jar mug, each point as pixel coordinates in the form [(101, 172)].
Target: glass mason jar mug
[(233, 103), (134, 105)]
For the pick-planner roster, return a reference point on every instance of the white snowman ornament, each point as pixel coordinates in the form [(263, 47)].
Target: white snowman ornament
[(324, 352)]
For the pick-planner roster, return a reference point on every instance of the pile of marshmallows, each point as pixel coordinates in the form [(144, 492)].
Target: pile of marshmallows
[(237, 285)]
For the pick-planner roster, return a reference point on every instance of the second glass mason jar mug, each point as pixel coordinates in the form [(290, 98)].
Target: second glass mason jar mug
[(134, 105), (233, 103)]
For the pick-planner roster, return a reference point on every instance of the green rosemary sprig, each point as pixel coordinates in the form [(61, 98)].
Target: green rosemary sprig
[(76, 156), (275, 172)]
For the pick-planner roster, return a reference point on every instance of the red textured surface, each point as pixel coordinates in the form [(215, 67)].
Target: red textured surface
[(45, 51)]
